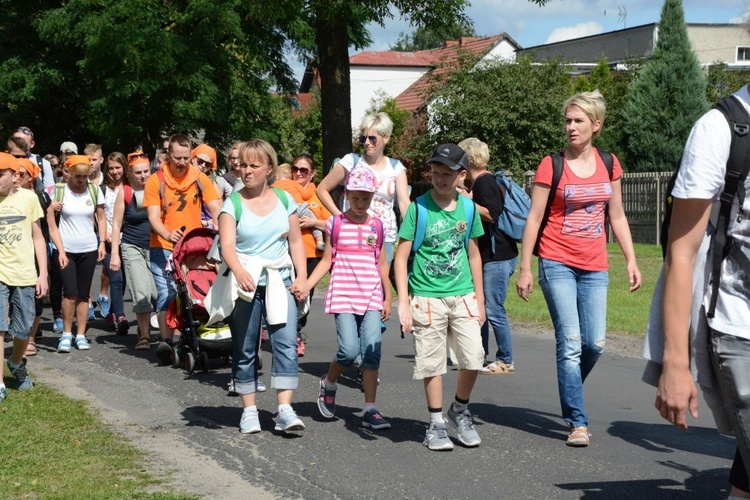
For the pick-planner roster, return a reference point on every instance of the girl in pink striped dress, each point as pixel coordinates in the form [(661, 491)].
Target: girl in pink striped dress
[(359, 294)]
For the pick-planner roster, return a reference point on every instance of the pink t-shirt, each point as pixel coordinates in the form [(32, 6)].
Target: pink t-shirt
[(355, 285), (575, 234)]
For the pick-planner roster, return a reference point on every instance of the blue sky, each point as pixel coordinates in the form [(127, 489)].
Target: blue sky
[(529, 25)]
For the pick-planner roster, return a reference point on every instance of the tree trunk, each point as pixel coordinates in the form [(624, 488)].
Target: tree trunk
[(332, 39)]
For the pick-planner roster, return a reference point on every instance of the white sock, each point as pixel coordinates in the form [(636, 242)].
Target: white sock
[(459, 407), (285, 407), (329, 385), (12, 364), (69, 334), (80, 336), (250, 409), (436, 418), (369, 406)]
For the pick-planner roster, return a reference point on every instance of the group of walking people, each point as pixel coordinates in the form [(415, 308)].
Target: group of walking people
[(452, 264)]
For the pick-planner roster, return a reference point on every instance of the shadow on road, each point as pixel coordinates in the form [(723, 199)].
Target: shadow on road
[(668, 438), (525, 419)]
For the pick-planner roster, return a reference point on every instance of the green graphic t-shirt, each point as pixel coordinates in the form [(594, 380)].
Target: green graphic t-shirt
[(441, 264)]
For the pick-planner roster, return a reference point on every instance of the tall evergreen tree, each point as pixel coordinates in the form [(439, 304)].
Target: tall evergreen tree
[(666, 99)]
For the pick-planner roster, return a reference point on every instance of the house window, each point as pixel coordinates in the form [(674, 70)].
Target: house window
[(743, 54)]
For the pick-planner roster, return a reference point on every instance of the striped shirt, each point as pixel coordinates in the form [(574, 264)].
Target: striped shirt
[(355, 285)]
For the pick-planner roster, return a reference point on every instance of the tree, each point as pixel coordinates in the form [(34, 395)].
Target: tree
[(515, 107), (666, 99), (723, 81), (426, 37)]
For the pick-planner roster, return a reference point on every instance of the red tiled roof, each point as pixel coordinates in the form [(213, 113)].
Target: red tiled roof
[(392, 58), (446, 59)]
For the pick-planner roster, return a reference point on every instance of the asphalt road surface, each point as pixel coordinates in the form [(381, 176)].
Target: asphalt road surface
[(189, 426)]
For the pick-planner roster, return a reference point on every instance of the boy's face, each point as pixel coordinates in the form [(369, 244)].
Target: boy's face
[(445, 180), (359, 201), (7, 178), (96, 161)]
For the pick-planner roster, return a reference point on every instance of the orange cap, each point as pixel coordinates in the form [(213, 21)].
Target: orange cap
[(205, 149), (73, 160), (9, 162), (31, 167), (137, 157)]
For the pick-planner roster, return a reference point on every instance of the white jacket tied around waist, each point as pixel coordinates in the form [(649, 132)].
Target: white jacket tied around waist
[(220, 299)]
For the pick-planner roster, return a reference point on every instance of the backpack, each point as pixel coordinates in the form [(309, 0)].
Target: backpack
[(512, 220), (127, 195), (336, 229), (160, 175), (237, 203), (738, 165), (59, 192), (558, 164)]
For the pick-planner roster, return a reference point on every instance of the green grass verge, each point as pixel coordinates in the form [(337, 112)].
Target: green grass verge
[(56, 447), (626, 312)]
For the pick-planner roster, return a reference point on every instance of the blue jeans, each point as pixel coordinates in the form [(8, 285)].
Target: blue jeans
[(577, 303), (166, 290), (116, 284), (357, 333), (17, 310), (495, 277), (244, 323)]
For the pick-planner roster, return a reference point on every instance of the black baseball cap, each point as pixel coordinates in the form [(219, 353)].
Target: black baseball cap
[(451, 156)]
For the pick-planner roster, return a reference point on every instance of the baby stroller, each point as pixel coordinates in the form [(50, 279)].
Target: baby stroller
[(194, 275)]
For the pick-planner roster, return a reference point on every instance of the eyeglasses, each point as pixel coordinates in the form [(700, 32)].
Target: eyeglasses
[(372, 138), (301, 170), (25, 131), (201, 162), (19, 155), (24, 174)]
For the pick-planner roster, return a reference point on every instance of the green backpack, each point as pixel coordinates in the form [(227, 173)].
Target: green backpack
[(237, 203)]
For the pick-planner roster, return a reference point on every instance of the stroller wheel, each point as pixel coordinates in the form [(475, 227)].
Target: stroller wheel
[(176, 361), (204, 362), (189, 362)]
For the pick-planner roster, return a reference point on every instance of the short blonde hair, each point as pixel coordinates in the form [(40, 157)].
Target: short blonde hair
[(80, 169), (381, 122), (283, 171), (592, 103), (478, 152), (261, 148)]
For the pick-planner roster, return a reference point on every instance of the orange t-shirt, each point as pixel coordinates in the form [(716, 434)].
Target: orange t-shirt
[(295, 189), (184, 202)]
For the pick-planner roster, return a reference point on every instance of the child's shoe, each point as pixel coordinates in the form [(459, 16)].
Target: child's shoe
[(103, 302), (320, 245), (374, 420), (57, 326), (464, 424), (21, 375), (436, 438), (65, 343), (326, 399), (301, 345)]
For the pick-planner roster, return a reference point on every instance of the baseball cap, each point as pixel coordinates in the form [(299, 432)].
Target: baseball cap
[(73, 160), (9, 162), (361, 179), (31, 167), (451, 156), (69, 147), (137, 157)]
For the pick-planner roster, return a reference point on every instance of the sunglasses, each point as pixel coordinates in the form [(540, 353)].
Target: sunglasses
[(301, 170), (201, 162), (138, 155), (372, 138), (25, 131), (19, 155)]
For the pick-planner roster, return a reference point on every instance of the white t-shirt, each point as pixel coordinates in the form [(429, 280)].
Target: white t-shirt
[(382, 203), (77, 224), (701, 176)]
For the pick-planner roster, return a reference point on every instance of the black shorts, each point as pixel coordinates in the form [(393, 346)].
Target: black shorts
[(77, 276)]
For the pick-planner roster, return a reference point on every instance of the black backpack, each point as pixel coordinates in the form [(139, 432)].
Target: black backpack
[(557, 171), (738, 165)]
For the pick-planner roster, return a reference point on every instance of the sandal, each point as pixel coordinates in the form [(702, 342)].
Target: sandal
[(143, 344), (30, 349), (579, 436), (498, 368)]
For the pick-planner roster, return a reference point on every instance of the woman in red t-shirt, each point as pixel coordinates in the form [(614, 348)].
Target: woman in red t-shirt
[(573, 253)]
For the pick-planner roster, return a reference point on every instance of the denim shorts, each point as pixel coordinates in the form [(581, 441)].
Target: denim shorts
[(359, 333), (166, 290), (17, 302)]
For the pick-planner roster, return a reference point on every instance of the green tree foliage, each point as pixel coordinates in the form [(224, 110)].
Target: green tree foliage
[(299, 129), (127, 72), (516, 108), (666, 98), (427, 37), (723, 81)]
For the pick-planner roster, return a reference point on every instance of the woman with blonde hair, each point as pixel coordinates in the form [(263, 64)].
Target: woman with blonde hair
[(572, 251), (79, 205)]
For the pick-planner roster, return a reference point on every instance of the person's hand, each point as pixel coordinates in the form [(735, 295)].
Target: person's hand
[(524, 284), (42, 285), (634, 276), (404, 315), (176, 235), (245, 281), (108, 238), (306, 222), (101, 252), (676, 394), (482, 313), (299, 289), (114, 262), (63, 260), (56, 206), (386, 312)]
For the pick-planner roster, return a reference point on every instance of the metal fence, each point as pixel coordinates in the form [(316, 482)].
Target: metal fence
[(643, 197)]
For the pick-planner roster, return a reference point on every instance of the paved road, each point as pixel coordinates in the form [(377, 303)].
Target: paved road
[(189, 424)]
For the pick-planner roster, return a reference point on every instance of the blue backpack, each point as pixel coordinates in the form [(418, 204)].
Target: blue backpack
[(512, 220)]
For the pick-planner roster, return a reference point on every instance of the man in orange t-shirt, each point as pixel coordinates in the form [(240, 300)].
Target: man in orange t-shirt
[(172, 217)]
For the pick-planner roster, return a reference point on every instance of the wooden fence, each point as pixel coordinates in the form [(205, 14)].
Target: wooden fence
[(643, 197)]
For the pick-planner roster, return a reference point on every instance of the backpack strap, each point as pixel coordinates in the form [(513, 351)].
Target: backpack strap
[(470, 213), (737, 170), (237, 204), (127, 194), (93, 192), (160, 175), (420, 222), (380, 231), (282, 197), (335, 230), (227, 176)]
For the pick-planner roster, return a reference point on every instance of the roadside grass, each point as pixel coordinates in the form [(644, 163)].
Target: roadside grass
[(626, 312), (56, 447)]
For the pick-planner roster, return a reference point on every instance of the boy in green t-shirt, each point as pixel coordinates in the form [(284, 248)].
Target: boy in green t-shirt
[(443, 299), (20, 240)]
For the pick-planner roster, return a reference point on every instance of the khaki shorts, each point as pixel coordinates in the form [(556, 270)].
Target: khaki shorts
[(440, 321)]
